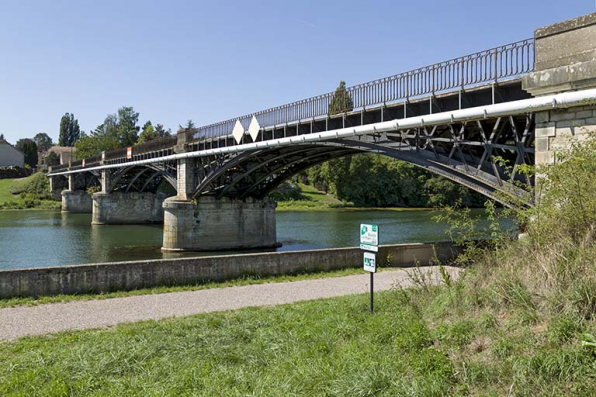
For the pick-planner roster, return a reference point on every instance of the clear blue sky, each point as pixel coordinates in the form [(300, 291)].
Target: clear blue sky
[(208, 61)]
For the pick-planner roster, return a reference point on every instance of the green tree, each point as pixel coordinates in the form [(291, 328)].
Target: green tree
[(161, 131), (341, 101), (128, 130), (69, 130), (148, 133), (379, 181), (29, 149), (189, 125), (117, 131), (52, 159), (43, 141)]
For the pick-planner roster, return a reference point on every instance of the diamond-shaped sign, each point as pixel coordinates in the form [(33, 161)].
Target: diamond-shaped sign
[(238, 131), (254, 128)]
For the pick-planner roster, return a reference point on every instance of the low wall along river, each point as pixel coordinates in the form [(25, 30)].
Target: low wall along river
[(121, 276)]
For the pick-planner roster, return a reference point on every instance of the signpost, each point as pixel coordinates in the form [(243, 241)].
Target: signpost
[(369, 241)]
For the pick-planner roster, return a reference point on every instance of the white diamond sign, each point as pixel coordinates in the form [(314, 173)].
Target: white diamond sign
[(238, 131), (254, 128)]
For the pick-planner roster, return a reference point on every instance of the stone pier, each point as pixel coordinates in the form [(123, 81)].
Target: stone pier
[(210, 224), (76, 201), (119, 208)]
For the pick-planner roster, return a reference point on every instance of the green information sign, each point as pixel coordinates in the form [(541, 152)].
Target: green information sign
[(369, 237)]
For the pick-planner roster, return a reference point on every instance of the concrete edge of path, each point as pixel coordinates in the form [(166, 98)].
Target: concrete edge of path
[(17, 322)]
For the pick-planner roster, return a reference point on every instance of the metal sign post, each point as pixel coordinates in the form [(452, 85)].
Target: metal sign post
[(369, 241)]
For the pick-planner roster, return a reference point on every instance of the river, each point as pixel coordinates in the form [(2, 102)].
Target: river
[(51, 238)]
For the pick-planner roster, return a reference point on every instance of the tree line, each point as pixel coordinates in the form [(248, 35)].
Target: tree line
[(373, 180), (120, 129)]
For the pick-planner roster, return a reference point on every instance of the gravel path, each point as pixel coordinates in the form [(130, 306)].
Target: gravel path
[(55, 317)]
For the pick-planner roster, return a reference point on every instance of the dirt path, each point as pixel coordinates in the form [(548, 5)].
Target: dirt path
[(17, 322)]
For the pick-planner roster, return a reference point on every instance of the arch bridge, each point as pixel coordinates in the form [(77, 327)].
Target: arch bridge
[(476, 120)]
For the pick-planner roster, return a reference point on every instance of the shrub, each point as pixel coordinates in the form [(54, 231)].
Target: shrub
[(287, 192), (552, 269)]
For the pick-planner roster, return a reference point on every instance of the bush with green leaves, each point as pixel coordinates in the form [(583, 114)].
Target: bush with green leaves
[(551, 269)]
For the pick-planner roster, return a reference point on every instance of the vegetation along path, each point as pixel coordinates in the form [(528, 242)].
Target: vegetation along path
[(16, 322)]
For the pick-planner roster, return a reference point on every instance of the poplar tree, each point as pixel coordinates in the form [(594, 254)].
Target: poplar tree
[(70, 131), (341, 101)]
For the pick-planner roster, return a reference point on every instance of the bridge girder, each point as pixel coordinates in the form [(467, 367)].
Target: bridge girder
[(143, 178), (484, 155)]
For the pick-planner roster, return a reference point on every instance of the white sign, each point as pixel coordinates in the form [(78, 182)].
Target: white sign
[(254, 128), (369, 237), (370, 262)]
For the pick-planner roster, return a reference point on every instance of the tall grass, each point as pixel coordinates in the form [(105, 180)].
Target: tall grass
[(551, 269)]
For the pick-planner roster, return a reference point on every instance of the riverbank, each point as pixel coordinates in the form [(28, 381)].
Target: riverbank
[(311, 199), (31, 193), (412, 345)]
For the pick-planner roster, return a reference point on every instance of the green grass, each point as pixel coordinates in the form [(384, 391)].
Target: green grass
[(247, 280), (31, 193), (5, 195), (411, 346)]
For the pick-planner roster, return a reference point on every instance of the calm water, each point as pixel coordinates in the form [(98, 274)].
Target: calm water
[(50, 238)]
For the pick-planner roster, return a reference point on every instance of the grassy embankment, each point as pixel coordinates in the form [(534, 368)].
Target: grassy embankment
[(26, 193), (312, 199), (521, 321)]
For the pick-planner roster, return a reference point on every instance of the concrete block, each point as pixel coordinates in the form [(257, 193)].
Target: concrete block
[(209, 224), (542, 144), (119, 208), (77, 201), (562, 115), (542, 117), (565, 132), (566, 42), (545, 131), (569, 124), (584, 114), (544, 158)]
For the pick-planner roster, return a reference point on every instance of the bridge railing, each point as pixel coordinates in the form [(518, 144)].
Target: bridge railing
[(493, 65)]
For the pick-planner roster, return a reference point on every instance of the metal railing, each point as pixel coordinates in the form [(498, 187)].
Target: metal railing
[(493, 65), (487, 66)]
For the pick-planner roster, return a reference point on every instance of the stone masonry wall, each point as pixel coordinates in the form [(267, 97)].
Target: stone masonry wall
[(127, 208), (209, 224), (76, 201), (105, 277), (555, 129)]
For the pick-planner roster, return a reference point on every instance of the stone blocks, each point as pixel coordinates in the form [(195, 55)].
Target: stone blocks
[(119, 208), (210, 224), (76, 201), (565, 57)]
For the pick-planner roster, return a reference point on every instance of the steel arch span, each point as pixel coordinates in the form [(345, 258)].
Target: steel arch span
[(483, 155)]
